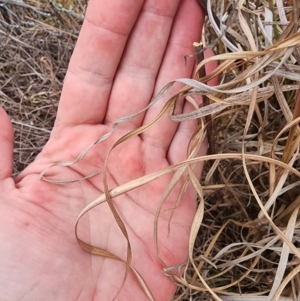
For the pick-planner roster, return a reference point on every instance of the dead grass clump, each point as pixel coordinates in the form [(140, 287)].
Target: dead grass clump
[(247, 246)]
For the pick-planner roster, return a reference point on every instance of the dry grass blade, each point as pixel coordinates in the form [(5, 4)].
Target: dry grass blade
[(293, 140), (104, 253), (282, 265), (108, 134)]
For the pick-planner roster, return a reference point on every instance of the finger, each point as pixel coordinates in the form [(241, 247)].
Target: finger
[(177, 152), (186, 30), (136, 76), (6, 145), (95, 59)]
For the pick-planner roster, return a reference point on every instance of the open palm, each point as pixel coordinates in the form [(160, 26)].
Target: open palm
[(127, 51)]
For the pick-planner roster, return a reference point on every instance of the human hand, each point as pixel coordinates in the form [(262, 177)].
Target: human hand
[(127, 51)]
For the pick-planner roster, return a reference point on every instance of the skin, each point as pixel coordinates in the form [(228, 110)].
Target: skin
[(127, 51)]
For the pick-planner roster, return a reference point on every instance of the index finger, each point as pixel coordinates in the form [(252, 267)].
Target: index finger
[(99, 48)]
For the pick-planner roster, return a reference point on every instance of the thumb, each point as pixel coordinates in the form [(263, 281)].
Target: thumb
[(6, 145)]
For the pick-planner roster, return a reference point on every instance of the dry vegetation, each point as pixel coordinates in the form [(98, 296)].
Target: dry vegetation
[(36, 41), (247, 229)]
